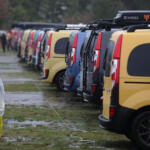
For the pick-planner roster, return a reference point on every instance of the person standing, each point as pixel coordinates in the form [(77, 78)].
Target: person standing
[(3, 41), (8, 38)]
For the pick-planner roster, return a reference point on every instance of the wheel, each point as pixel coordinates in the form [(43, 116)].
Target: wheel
[(59, 80), (141, 130)]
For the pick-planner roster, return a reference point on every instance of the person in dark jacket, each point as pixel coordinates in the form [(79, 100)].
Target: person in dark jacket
[(3, 41)]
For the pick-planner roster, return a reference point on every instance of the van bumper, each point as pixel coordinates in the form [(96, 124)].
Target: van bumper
[(119, 123)]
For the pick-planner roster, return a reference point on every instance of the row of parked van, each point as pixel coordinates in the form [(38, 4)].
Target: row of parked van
[(105, 61)]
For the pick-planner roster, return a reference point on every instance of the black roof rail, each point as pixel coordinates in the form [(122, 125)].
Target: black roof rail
[(26, 25), (100, 20), (132, 28)]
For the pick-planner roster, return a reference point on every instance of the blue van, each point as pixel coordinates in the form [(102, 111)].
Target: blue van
[(72, 74), (37, 50), (35, 40), (83, 50)]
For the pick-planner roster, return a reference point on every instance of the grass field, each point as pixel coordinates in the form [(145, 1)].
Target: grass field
[(39, 117)]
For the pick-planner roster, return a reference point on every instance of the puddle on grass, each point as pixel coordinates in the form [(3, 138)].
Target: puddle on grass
[(16, 139), (10, 66), (30, 99), (54, 124), (11, 70), (23, 124), (18, 80), (79, 142), (9, 59), (24, 98), (37, 99)]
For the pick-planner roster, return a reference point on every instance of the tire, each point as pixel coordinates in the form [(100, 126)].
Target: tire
[(59, 80), (141, 130)]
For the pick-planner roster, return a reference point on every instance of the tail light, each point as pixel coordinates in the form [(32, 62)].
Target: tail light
[(74, 49), (46, 72), (31, 40), (71, 79), (39, 42), (48, 51), (112, 111), (97, 52), (101, 98), (93, 88), (35, 46), (19, 40), (116, 62)]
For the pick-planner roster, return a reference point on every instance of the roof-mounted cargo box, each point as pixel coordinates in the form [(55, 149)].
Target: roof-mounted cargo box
[(130, 17)]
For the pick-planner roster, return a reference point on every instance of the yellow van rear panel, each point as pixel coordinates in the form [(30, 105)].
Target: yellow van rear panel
[(108, 82), (56, 62), (133, 94), (23, 43)]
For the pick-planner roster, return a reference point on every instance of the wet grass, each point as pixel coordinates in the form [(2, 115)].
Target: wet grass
[(27, 87), (51, 113), (73, 124), (55, 138), (21, 75)]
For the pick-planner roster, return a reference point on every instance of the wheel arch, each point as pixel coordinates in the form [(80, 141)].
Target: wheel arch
[(136, 113), (54, 79)]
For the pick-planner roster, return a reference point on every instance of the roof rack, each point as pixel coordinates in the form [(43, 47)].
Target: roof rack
[(57, 27), (131, 17), (101, 24), (71, 27), (135, 27), (26, 25)]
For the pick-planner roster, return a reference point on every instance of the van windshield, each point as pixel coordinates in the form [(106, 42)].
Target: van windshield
[(108, 58)]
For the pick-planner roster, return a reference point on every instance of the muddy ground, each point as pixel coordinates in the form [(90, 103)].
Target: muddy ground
[(38, 116)]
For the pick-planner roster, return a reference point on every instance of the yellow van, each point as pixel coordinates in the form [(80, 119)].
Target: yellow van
[(126, 95), (23, 42), (54, 63)]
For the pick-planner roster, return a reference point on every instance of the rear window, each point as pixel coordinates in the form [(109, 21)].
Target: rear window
[(139, 61), (85, 42), (68, 51), (108, 58), (61, 46)]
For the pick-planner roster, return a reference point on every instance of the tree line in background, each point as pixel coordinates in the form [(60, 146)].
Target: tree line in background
[(64, 11)]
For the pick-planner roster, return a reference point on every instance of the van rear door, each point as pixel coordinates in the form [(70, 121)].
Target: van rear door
[(107, 79), (135, 70)]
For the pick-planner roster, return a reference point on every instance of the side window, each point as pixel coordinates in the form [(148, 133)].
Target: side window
[(108, 58), (61, 46), (139, 61)]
